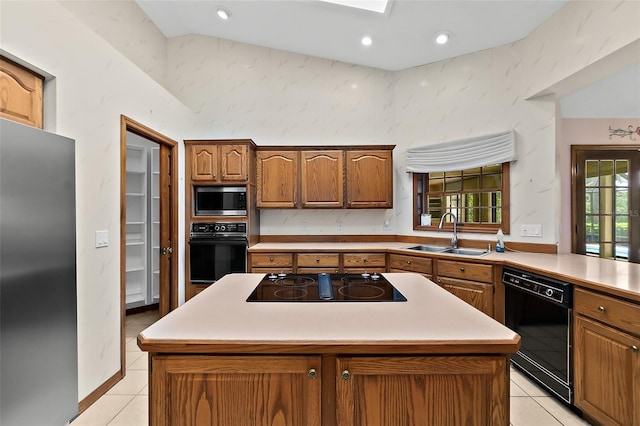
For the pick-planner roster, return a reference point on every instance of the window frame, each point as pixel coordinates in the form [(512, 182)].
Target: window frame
[(480, 228)]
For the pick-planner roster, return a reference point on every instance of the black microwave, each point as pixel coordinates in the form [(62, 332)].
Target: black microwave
[(220, 201)]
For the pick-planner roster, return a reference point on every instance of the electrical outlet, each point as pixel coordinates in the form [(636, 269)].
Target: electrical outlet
[(387, 225), (304, 227), (340, 226), (102, 238)]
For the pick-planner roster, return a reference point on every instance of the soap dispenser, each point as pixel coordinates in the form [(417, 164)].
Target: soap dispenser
[(499, 241)]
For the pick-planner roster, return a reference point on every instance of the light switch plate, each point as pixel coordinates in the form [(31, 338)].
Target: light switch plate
[(531, 230), (102, 238)]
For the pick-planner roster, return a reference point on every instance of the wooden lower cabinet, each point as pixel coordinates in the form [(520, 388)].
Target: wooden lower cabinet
[(425, 390), (471, 282), (234, 390), (607, 358), (357, 263), (478, 295), (316, 263), (404, 263), (194, 390), (271, 262)]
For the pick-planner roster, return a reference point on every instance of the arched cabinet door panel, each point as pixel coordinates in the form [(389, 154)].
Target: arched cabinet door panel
[(20, 94)]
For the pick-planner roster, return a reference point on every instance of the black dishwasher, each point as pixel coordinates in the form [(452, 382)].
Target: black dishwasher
[(539, 309)]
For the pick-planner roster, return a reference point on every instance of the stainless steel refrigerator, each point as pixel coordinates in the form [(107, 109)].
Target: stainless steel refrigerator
[(38, 311)]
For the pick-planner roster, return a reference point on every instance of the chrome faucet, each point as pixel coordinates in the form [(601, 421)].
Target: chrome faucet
[(454, 238)]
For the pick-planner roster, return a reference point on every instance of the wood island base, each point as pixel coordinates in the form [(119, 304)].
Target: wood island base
[(327, 390)]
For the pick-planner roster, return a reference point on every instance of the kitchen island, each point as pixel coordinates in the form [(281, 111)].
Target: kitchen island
[(220, 360)]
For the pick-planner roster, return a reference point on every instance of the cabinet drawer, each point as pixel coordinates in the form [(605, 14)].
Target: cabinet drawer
[(465, 271), (318, 260), (410, 263), (614, 312), (364, 260), (272, 260)]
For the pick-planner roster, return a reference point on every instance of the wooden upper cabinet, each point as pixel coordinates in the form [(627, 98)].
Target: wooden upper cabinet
[(204, 160), (277, 179), (21, 90), (219, 163), (369, 179), (233, 163), (322, 180)]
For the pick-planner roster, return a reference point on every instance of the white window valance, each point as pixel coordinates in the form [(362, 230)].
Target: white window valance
[(463, 154)]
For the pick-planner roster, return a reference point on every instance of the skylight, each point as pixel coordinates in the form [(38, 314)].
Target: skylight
[(372, 5)]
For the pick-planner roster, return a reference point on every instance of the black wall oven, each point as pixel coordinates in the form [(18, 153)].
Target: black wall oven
[(216, 249), (539, 310)]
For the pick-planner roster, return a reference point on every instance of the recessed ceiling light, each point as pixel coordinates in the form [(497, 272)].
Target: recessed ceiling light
[(367, 40), (224, 14), (442, 37)]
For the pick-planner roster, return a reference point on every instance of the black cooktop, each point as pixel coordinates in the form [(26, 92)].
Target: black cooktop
[(325, 288)]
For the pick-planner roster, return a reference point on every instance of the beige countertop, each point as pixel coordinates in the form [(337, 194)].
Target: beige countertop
[(614, 277), (219, 320)]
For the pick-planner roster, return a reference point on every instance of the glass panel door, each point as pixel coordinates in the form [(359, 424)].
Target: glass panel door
[(606, 202)]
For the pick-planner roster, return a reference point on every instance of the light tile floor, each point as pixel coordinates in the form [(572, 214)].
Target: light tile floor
[(126, 403)]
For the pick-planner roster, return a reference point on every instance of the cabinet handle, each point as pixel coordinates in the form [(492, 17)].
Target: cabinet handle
[(346, 375), (312, 374), (462, 269), (271, 259), (601, 309), (408, 262), (317, 260), (634, 348), (364, 260)]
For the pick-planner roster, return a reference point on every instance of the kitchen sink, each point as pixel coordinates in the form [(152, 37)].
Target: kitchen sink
[(433, 249), (466, 252), (449, 250)]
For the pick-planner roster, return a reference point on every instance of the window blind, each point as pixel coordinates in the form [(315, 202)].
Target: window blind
[(463, 154)]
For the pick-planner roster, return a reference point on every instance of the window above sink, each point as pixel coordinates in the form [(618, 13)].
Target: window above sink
[(478, 197)]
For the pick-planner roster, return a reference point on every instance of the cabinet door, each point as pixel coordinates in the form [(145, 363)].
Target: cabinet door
[(277, 179), (233, 163), (21, 94), (369, 179), (204, 162), (436, 390), (478, 295), (235, 390), (322, 179), (607, 373)]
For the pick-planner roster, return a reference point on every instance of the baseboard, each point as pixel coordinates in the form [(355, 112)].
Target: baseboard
[(100, 391)]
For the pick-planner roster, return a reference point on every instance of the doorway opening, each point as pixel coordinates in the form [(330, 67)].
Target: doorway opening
[(148, 223)]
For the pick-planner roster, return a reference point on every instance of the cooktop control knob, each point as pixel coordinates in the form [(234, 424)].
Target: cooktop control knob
[(375, 276), (549, 292)]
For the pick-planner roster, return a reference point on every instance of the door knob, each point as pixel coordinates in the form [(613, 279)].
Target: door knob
[(312, 373), (346, 375)]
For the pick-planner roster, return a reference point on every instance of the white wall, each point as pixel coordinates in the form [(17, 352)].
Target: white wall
[(94, 85), (282, 98), (220, 89)]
